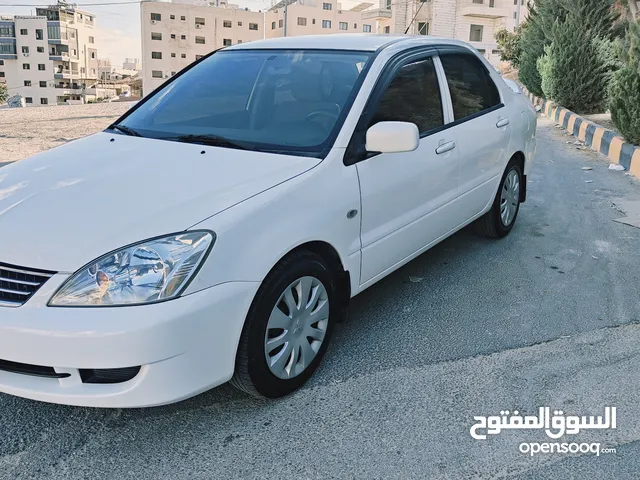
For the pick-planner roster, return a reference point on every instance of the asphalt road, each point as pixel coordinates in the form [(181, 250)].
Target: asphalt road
[(546, 317)]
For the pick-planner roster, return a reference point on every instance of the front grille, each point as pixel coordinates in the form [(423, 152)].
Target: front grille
[(18, 284), (34, 370), (108, 375)]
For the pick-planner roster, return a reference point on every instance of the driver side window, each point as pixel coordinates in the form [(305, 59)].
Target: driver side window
[(413, 96)]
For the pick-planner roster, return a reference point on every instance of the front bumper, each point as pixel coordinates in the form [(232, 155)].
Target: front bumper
[(184, 346)]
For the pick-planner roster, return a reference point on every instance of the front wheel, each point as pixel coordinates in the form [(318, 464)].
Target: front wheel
[(498, 222), (288, 327)]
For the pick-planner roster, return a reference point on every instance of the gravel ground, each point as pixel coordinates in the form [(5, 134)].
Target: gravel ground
[(27, 131), (549, 316)]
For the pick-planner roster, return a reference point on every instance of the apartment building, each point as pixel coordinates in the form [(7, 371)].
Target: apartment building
[(176, 34), (316, 17), (473, 21), (49, 58)]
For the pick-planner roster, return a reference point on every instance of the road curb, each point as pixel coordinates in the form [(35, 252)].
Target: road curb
[(595, 136)]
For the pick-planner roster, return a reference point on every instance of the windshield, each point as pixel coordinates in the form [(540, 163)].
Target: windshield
[(271, 100)]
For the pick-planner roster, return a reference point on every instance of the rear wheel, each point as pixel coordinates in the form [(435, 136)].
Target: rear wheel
[(499, 221), (288, 327)]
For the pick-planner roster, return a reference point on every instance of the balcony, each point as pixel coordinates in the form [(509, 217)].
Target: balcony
[(376, 14), (72, 74), (59, 56), (484, 10)]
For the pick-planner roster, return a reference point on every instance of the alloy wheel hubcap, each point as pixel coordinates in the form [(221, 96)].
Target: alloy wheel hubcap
[(296, 327), (509, 198)]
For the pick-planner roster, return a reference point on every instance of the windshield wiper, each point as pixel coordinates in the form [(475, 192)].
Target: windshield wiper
[(211, 140), (126, 130)]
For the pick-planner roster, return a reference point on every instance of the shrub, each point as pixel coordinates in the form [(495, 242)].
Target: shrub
[(544, 67), (510, 44), (4, 93), (576, 70), (625, 86)]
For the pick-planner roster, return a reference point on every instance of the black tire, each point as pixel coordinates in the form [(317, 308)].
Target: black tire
[(490, 224), (252, 374)]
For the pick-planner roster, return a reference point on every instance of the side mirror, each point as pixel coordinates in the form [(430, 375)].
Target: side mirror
[(393, 137)]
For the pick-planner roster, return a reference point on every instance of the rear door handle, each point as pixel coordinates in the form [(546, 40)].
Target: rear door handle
[(445, 147), (503, 122)]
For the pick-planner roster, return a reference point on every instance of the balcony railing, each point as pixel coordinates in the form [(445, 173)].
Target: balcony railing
[(484, 10), (378, 13)]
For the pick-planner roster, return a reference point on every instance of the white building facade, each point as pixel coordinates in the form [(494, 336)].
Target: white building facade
[(174, 34), (50, 58)]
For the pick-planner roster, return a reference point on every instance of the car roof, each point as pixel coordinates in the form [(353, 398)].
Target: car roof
[(348, 41)]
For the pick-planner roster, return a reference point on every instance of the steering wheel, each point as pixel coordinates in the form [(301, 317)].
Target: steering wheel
[(330, 119)]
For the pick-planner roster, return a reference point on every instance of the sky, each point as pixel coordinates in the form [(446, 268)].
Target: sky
[(118, 26)]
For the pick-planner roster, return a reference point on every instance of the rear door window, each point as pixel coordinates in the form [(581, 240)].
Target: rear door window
[(471, 87)]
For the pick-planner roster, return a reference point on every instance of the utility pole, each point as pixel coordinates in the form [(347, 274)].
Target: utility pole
[(518, 13), (286, 7)]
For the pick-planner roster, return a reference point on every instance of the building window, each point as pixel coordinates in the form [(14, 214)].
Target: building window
[(423, 28), (280, 23), (302, 21), (23, 31), (273, 25), (326, 6), (93, 54), (496, 52), (200, 21), (253, 26), (156, 36), (387, 29), (172, 17), (156, 17), (515, 15), (388, 4), (313, 21), (492, 3), (239, 24), (1, 74), (1, 62), (183, 18), (173, 55), (198, 57), (183, 55), (26, 66), (41, 67), (40, 49), (39, 34), (226, 42), (226, 23), (366, 28), (25, 49), (173, 73), (92, 40), (27, 83), (43, 84), (173, 36), (183, 37), (355, 25), (7, 31), (239, 42), (156, 73), (478, 1), (200, 40), (326, 23), (343, 26), (156, 55), (28, 99), (475, 33)]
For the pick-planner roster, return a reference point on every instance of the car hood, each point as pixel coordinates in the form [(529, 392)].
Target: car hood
[(63, 208)]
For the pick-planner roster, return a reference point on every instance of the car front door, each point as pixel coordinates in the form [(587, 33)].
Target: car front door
[(481, 129), (404, 195)]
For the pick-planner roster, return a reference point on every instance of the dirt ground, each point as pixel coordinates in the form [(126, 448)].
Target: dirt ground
[(27, 131)]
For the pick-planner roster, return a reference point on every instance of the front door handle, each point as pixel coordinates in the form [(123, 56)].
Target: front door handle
[(503, 122), (445, 147)]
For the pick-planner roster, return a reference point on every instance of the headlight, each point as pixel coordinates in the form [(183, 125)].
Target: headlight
[(147, 272)]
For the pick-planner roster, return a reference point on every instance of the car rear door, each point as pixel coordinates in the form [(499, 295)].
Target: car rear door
[(481, 128), (403, 194)]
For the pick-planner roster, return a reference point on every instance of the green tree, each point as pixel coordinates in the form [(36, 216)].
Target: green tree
[(625, 86), (4, 93), (575, 70), (511, 44)]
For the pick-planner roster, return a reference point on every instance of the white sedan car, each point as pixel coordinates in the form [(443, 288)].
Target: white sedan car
[(218, 229)]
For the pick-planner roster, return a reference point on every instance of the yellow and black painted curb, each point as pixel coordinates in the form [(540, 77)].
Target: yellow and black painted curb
[(598, 138)]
